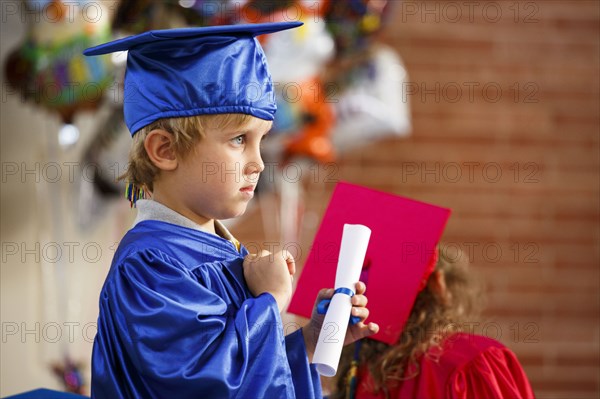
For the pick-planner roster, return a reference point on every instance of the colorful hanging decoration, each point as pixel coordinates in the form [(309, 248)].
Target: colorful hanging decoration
[(137, 16), (317, 119), (353, 22), (70, 376), (49, 68), (369, 77)]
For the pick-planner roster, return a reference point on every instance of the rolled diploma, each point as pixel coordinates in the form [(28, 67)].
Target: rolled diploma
[(355, 239)]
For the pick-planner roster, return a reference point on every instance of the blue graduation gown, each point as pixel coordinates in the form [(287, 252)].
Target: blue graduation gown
[(178, 321)]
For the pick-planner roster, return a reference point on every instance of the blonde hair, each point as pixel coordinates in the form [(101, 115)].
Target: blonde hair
[(186, 131), (431, 320)]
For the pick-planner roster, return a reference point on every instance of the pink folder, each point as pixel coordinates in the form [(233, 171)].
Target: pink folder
[(403, 239)]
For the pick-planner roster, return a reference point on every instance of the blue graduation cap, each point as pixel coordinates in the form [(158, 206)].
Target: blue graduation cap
[(195, 71)]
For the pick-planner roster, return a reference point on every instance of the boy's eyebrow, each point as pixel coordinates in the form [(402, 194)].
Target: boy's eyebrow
[(234, 132), (244, 131)]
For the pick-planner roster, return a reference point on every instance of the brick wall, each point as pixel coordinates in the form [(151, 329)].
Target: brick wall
[(516, 158)]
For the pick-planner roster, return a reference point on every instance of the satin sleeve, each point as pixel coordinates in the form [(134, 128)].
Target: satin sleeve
[(307, 383), (176, 338), (495, 374)]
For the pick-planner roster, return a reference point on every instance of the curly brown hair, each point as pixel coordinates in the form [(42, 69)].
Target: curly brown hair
[(433, 317)]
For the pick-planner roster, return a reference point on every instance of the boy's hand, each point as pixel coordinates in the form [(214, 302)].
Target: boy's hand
[(272, 273), (354, 333)]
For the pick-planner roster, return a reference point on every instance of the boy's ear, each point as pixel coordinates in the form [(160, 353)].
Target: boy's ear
[(158, 145)]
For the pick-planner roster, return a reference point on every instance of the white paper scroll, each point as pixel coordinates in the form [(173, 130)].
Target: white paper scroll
[(355, 240)]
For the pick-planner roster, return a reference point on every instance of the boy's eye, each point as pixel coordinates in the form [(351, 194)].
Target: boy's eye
[(239, 140)]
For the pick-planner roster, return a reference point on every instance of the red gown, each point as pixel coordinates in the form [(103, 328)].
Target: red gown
[(466, 366)]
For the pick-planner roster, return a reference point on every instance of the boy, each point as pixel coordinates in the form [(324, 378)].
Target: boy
[(184, 311)]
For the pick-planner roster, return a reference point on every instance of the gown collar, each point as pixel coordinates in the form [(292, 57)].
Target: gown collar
[(152, 210)]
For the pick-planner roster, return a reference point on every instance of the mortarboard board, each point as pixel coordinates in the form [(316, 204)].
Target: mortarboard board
[(403, 241), (195, 71)]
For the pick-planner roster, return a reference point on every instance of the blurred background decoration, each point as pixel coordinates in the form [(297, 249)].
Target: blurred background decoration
[(489, 108), (49, 70)]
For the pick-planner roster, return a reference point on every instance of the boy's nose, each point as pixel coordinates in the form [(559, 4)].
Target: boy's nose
[(254, 168), (254, 165)]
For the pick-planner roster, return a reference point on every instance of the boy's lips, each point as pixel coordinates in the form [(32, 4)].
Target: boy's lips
[(248, 191)]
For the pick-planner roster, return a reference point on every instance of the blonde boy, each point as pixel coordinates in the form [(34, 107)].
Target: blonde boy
[(185, 311)]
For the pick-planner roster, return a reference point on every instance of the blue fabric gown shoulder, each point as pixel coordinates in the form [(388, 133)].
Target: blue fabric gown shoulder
[(178, 321)]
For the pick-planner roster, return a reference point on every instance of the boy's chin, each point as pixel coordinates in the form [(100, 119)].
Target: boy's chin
[(235, 211), (238, 212)]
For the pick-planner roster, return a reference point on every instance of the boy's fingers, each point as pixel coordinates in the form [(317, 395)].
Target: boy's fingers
[(359, 300), (254, 257), (360, 288), (362, 313), (289, 260), (287, 255), (263, 253), (325, 293), (373, 328), (364, 330)]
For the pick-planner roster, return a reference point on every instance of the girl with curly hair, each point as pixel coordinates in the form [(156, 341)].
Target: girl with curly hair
[(435, 356)]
